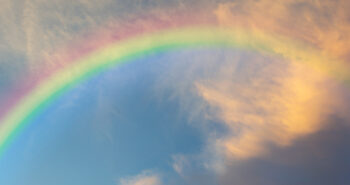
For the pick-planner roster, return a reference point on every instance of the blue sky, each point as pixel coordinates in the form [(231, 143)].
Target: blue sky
[(116, 124)]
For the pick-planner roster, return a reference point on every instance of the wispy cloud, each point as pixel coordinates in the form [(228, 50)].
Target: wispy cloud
[(145, 178), (324, 24)]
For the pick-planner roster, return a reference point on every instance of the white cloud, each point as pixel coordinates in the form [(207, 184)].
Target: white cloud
[(180, 162), (144, 178)]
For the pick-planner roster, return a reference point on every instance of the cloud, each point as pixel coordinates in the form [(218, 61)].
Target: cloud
[(325, 24), (268, 110), (180, 162), (145, 178), (38, 29)]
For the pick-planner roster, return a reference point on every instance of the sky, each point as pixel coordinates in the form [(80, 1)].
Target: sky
[(202, 115)]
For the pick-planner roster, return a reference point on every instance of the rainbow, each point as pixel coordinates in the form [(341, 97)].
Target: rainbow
[(132, 43)]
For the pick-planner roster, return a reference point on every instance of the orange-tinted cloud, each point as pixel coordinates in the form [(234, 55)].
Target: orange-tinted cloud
[(275, 106)]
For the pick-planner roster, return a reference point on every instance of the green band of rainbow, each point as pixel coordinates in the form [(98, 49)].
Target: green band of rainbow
[(126, 50)]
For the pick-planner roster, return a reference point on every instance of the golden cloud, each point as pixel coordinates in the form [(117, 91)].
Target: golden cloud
[(269, 110)]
